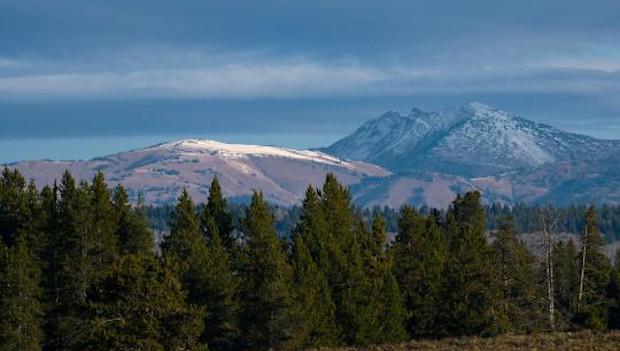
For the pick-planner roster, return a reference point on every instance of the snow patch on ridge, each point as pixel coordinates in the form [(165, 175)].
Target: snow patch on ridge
[(195, 147)]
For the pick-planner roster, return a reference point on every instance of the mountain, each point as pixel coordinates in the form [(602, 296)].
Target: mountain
[(471, 140), (419, 158), (161, 171), (435, 155)]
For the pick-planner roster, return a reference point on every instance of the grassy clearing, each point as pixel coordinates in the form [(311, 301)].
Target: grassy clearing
[(580, 341)]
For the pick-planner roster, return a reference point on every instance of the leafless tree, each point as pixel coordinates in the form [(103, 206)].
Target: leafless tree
[(549, 218)]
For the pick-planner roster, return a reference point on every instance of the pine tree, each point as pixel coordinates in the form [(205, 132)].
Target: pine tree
[(312, 227), (392, 314), (345, 272), (517, 278), (77, 271), (566, 282), (595, 276), (315, 316), (470, 289), (20, 292), (221, 286), (420, 254), (184, 250), (383, 294), (13, 206), (132, 232), (266, 276), (216, 209), (613, 294), (142, 307), (104, 241)]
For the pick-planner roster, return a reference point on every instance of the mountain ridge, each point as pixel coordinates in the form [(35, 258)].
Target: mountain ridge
[(422, 158)]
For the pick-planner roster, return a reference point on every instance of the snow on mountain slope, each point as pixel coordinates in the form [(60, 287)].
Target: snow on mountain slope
[(471, 140), (159, 172), (197, 147)]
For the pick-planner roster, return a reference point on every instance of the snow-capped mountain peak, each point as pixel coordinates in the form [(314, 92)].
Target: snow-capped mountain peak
[(475, 139)]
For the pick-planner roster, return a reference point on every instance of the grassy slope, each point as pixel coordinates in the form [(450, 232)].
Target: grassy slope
[(557, 341)]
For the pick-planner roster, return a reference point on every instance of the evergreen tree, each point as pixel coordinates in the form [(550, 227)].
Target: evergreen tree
[(20, 292), (221, 286), (142, 307), (470, 290), (315, 314), (132, 232), (613, 294), (595, 277), (420, 254), (392, 314), (383, 293), (184, 250), (216, 209), (266, 316), (566, 281), (103, 239), (13, 206), (517, 277), (346, 274), (312, 228)]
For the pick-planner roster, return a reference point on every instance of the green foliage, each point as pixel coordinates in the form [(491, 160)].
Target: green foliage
[(420, 254), (566, 267), (221, 286), (516, 276), (20, 292), (315, 312), (267, 314), (592, 310), (132, 232), (216, 210), (142, 307), (79, 271), (470, 290)]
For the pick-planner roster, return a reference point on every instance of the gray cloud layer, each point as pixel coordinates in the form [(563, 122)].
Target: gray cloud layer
[(75, 50)]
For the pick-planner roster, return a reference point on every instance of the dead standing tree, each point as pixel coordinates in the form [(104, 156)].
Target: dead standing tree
[(549, 218)]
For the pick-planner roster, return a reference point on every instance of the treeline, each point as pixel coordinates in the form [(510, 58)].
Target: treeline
[(526, 217), (79, 270), (572, 219)]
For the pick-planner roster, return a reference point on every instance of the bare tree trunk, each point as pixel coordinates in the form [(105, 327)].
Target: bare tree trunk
[(549, 222), (584, 248)]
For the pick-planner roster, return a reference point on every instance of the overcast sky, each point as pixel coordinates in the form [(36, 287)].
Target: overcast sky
[(163, 67)]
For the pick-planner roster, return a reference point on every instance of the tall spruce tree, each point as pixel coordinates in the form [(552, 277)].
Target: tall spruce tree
[(20, 293), (595, 276), (566, 282), (420, 254), (222, 288), (383, 293), (613, 294), (517, 279), (102, 238), (470, 288), (185, 252), (142, 307), (216, 209), (266, 317), (312, 227), (315, 313), (345, 272), (132, 232)]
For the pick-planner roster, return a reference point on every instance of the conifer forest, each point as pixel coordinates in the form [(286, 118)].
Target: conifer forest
[(81, 269)]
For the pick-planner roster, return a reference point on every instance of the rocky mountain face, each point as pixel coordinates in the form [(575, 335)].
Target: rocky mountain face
[(470, 140), (160, 172), (435, 155)]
